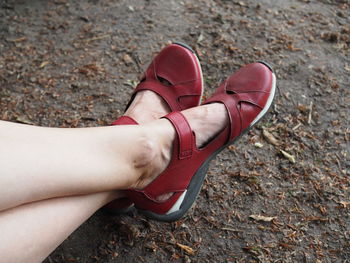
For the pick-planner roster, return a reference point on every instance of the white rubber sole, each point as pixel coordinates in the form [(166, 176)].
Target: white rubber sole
[(268, 103), (177, 205)]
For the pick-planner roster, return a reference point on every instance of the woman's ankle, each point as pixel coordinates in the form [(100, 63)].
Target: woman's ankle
[(146, 107), (206, 121), (153, 152)]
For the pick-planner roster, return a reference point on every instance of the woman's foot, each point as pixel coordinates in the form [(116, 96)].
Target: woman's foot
[(172, 82), (206, 121), (146, 107), (197, 136)]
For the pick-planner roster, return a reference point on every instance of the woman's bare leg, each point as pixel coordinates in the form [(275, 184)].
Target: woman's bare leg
[(41, 218), (39, 163), (30, 232), (53, 220)]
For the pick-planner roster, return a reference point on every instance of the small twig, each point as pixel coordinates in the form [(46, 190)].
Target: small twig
[(338, 162), (310, 113), (21, 39), (96, 38), (290, 157), (296, 126), (138, 62), (231, 229)]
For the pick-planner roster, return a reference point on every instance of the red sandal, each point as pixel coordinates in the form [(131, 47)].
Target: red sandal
[(247, 95), (175, 75)]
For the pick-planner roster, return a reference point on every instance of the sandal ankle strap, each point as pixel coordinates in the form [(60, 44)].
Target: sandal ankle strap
[(184, 134)]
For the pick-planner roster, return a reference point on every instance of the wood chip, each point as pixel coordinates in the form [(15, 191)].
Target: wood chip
[(258, 145), (345, 204), (127, 59), (270, 138), (262, 218), (200, 38), (232, 148), (231, 229), (185, 248), (21, 39), (296, 126), (310, 113), (43, 64), (290, 157)]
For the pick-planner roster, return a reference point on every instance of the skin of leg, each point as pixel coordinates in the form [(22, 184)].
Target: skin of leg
[(30, 232), (38, 163), (41, 218)]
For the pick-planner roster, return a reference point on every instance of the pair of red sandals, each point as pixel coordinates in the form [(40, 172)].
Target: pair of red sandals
[(175, 75)]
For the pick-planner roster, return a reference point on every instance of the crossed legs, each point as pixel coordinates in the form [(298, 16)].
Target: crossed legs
[(40, 165), (52, 180)]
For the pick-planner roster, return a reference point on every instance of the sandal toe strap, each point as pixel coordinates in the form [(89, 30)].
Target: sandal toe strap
[(171, 94), (241, 107)]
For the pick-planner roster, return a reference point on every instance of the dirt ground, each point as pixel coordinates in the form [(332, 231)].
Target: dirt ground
[(281, 194)]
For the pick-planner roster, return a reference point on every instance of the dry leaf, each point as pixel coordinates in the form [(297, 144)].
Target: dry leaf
[(290, 157), (262, 218), (187, 249), (270, 138)]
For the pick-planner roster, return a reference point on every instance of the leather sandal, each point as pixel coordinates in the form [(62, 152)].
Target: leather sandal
[(175, 75), (247, 96)]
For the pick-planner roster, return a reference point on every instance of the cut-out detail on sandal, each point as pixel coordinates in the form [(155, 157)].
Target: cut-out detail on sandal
[(164, 197), (239, 106), (174, 78), (164, 81)]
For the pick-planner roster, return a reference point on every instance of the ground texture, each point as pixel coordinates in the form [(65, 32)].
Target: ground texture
[(280, 194)]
